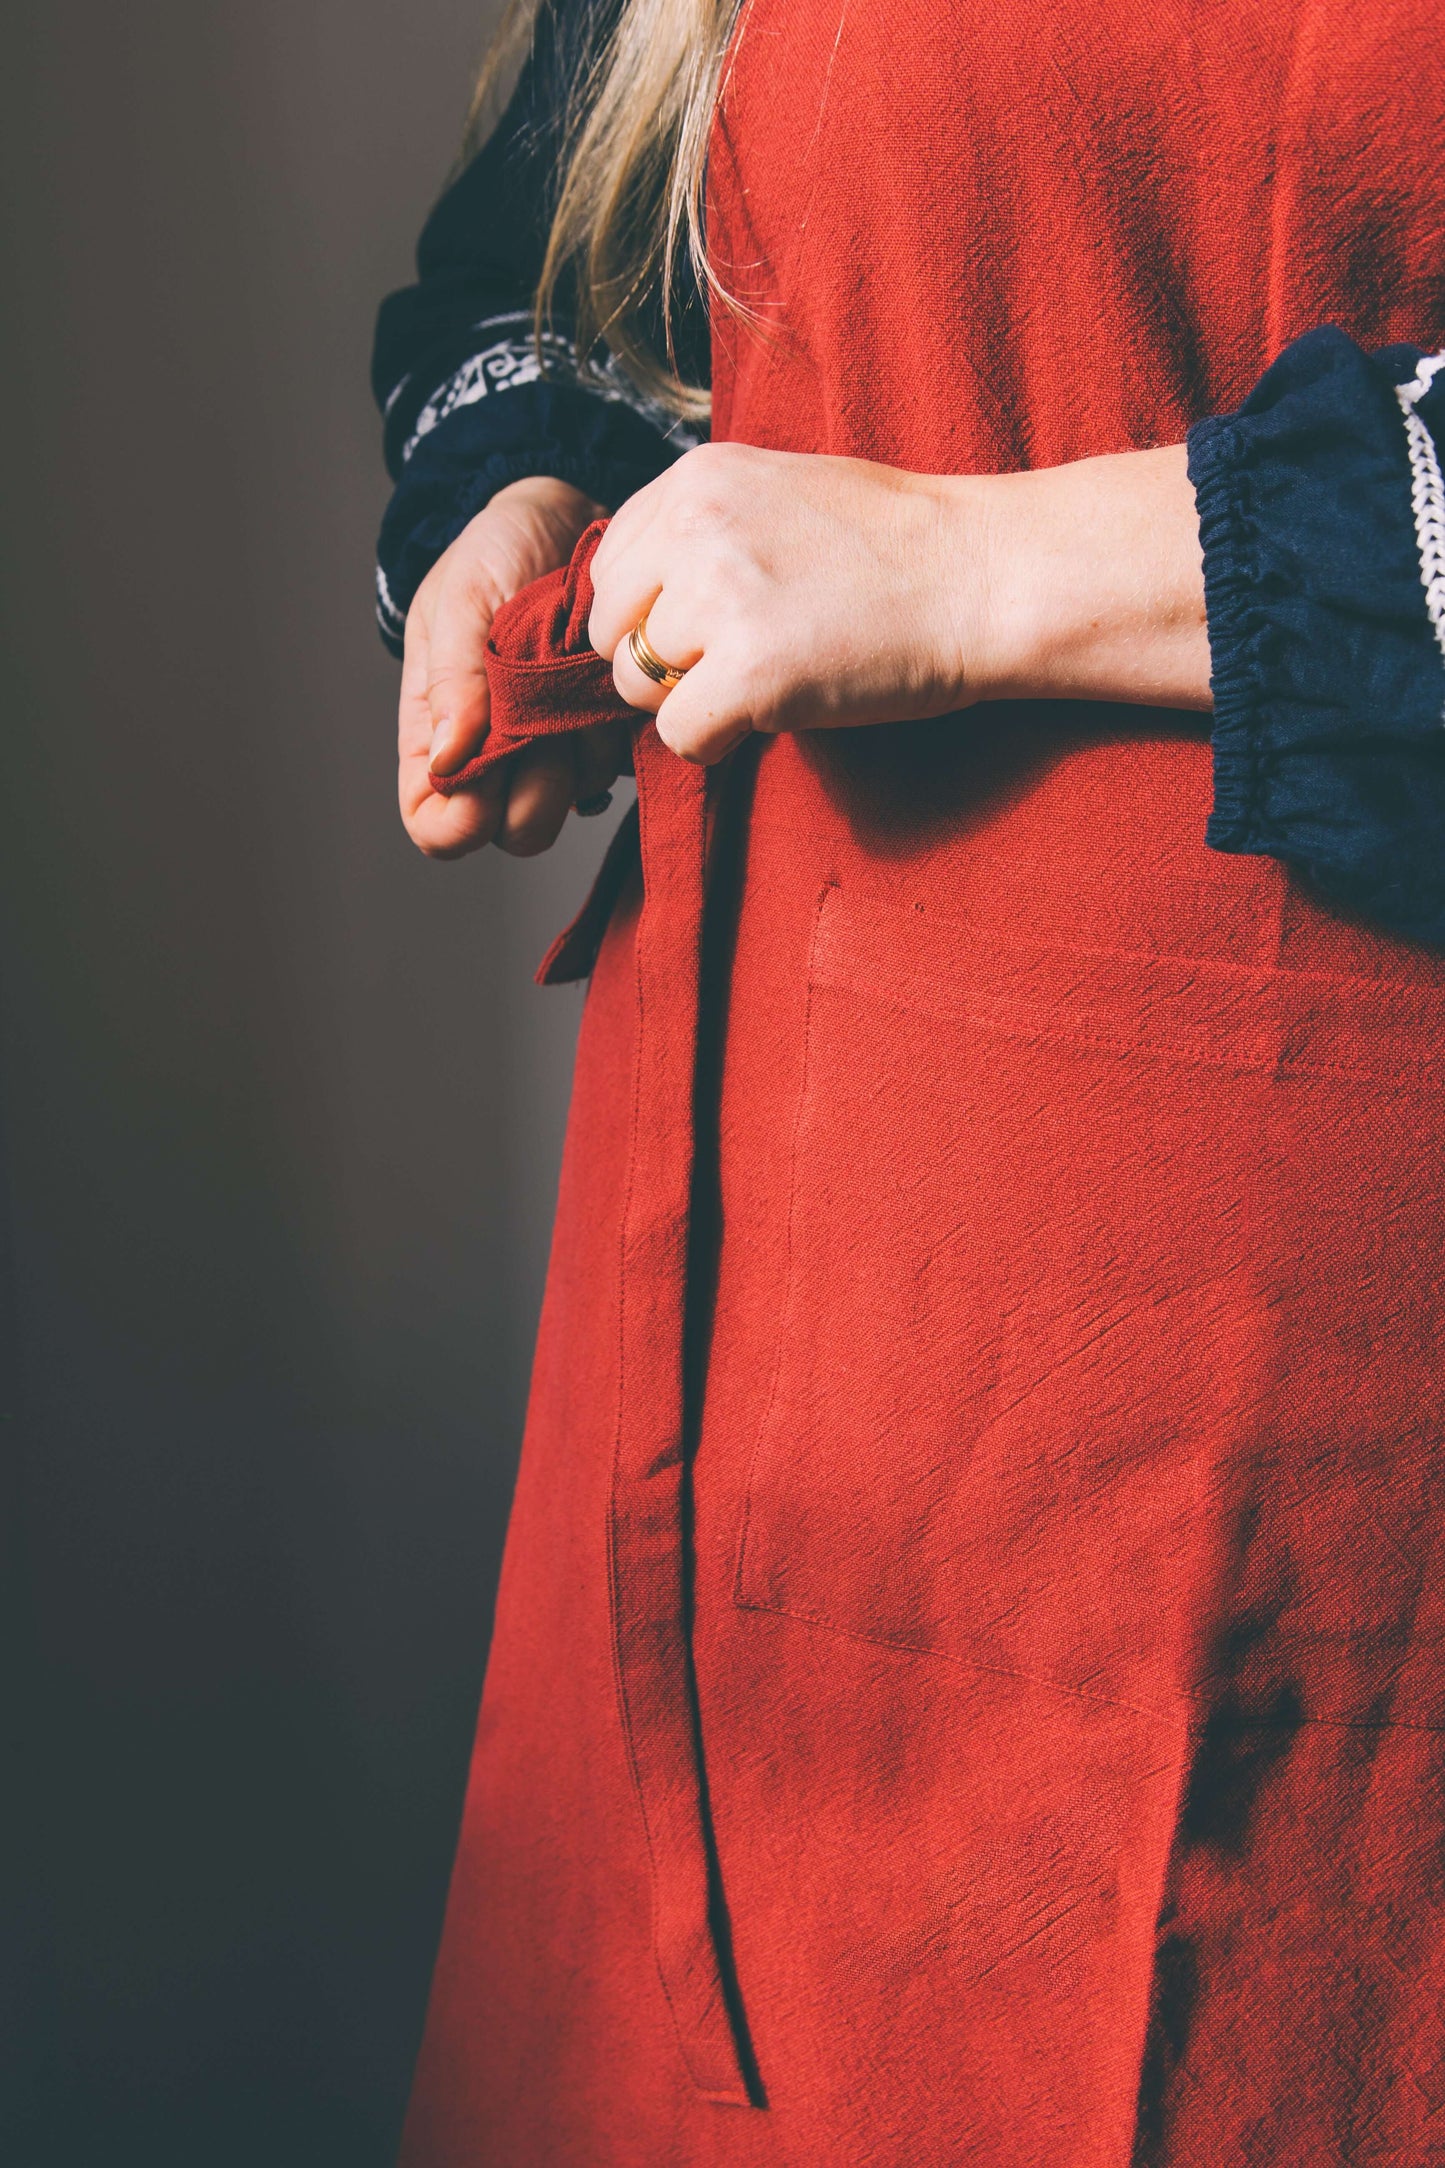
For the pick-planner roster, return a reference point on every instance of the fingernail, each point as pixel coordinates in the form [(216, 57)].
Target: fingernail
[(441, 739)]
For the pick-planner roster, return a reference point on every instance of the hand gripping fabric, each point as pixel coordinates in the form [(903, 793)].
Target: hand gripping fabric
[(546, 678), (544, 675)]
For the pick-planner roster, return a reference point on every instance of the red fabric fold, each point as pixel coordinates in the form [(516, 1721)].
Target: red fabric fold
[(573, 954), (543, 674)]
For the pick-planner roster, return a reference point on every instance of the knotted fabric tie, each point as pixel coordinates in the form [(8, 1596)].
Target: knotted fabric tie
[(543, 674), (545, 678)]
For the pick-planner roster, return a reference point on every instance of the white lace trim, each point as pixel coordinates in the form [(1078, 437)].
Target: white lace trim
[(511, 359), (1427, 492), (388, 616)]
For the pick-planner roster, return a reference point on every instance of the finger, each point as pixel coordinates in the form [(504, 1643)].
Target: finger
[(456, 678), (633, 684), (710, 712), (543, 790), (626, 585), (623, 603), (441, 827), (450, 827), (640, 547), (631, 519), (413, 717), (673, 634)]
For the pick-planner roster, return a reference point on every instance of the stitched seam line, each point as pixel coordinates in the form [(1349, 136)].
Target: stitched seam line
[(1188, 1719), (680, 2027), (1222, 967), (755, 1461), (1207, 1054), (613, 1580)]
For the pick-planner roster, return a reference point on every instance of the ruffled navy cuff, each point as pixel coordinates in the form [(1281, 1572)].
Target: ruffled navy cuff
[(1327, 666)]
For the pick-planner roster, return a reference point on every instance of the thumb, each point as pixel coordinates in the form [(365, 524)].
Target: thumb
[(456, 683)]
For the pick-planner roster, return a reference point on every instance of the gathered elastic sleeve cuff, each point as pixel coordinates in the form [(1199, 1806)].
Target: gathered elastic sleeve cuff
[(1322, 519)]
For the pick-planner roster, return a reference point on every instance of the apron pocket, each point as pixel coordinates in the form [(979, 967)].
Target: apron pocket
[(1071, 1237)]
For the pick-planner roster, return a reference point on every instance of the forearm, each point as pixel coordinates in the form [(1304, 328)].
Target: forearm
[(1093, 584)]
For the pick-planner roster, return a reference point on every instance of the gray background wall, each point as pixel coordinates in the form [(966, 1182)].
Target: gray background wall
[(281, 1107)]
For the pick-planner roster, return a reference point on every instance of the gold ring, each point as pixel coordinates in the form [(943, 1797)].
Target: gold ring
[(649, 662)]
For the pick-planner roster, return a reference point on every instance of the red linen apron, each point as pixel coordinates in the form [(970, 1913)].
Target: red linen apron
[(968, 1681)]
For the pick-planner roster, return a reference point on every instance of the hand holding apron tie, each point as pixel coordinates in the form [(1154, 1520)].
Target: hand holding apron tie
[(748, 590)]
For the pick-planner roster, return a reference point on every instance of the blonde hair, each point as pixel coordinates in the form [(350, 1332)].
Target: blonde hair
[(629, 210)]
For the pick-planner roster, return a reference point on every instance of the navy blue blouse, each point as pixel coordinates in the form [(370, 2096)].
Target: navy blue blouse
[(1321, 507)]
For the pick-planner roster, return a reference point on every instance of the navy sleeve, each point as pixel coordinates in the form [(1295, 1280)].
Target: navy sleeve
[(468, 403), (1322, 517)]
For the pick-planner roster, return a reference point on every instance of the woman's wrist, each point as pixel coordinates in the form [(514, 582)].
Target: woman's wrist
[(562, 511), (1082, 582)]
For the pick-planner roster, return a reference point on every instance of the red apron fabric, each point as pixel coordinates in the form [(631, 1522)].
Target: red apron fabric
[(545, 678), (969, 1673)]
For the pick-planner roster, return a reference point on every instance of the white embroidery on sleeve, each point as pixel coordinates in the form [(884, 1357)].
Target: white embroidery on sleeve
[(510, 358), (388, 616), (1427, 492)]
